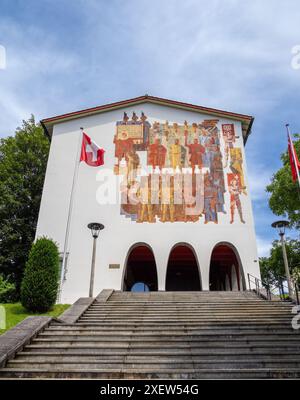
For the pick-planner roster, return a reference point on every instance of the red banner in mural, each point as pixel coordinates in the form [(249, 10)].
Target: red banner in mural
[(228, 133)]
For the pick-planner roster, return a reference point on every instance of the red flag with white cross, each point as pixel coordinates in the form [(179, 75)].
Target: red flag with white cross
[(91, 153)]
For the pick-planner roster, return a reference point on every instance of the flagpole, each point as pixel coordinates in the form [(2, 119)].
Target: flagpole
[(293, 152), (71, 201)]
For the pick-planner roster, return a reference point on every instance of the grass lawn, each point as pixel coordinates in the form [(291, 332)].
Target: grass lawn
[(15, 313)]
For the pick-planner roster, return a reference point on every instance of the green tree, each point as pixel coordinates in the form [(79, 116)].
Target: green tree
[(285, 194), (23, 160), (40, 283), (266, 271), (272, 267)]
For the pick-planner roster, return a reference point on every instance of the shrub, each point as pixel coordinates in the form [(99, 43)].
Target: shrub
[(40, 282), (296, 276), (8, 293)]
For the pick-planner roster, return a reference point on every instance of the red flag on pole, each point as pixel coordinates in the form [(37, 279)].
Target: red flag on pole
[(294, 162), (91, 153)]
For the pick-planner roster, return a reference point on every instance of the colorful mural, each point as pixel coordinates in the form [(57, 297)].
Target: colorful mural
[(176, 172)]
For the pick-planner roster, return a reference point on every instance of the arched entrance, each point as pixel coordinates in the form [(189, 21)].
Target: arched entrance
[(225, 272), (182, 271), (140, 270)]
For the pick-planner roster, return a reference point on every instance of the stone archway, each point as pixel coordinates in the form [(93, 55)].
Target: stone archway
[(183, 271), (226, 271), (140, 269)]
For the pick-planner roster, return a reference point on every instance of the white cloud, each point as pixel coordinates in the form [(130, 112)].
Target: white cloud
[(229, 55), (31, 82), (263, 246), (259, 178)]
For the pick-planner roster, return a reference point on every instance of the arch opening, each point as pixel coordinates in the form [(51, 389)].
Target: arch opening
[(182, 270), (140, 271), (225, 271)]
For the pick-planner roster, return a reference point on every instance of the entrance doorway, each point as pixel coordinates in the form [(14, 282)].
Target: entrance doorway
[(140, 271), (182, 271), (225, 272)]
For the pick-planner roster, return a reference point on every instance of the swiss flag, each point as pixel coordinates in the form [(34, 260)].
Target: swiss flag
[(294, 162), (91, 153)]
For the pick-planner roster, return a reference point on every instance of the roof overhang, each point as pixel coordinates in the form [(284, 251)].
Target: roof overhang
[(246, 120)]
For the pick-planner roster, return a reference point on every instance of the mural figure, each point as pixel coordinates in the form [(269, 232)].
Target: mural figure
[(229, 139), (217, 173), (167, 201), (234, 187), (125, 118), (196, 151), (132, 165), (210, 200), (236, 165), (143, 117), (161, 163), (145, 206), (123, 146), (229, 135), (191, 211), (175, 154), (157, 154), (134, 117)]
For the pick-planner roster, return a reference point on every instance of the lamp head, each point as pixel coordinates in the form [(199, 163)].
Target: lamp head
[(280, 226), (95, 228)]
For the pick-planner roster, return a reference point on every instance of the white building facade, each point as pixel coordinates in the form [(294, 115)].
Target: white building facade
[(173, 195)]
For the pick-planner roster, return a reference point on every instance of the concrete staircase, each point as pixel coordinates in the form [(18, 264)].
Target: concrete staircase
[(167, 335)]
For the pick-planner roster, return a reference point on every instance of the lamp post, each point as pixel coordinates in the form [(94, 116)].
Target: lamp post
[(95, 228), (281, 226)]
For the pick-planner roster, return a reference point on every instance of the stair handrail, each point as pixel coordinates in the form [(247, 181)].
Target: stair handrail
[(259, 284), (270, 289), (283, 284)]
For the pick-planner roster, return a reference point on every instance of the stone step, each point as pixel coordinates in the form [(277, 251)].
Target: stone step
[(163, 321), (177, 299), (214, 345), (201, 327), (192, 302), (161, 334), (188, 309), (179, 294), (182, 321), (204, 354), (180, 299), (175, 333), (171, 324), (167, 339), (171, 303), (169, 335), (159, 351), (125, 373), (148, 363), (179, 315), (164, 302)]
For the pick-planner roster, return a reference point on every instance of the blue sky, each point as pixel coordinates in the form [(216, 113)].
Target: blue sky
[(234, 55)]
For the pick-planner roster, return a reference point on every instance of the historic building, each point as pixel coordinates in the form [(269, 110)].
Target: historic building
[(173, 195)]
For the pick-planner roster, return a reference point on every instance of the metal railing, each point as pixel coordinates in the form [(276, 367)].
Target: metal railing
[(277, 289)]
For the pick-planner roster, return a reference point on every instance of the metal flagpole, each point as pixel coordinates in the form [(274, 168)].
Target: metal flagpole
[(293, 153), (75, 175)]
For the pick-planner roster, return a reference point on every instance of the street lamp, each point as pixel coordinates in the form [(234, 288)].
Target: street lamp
[(95, 228), (281, 226)]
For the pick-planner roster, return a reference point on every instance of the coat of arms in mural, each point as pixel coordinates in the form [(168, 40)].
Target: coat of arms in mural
[(176, 172)]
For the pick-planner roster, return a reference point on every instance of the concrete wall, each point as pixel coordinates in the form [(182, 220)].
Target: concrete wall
[(121, 233)]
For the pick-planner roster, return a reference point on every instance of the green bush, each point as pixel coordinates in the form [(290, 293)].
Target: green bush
[(8, 293), (40, 282)]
